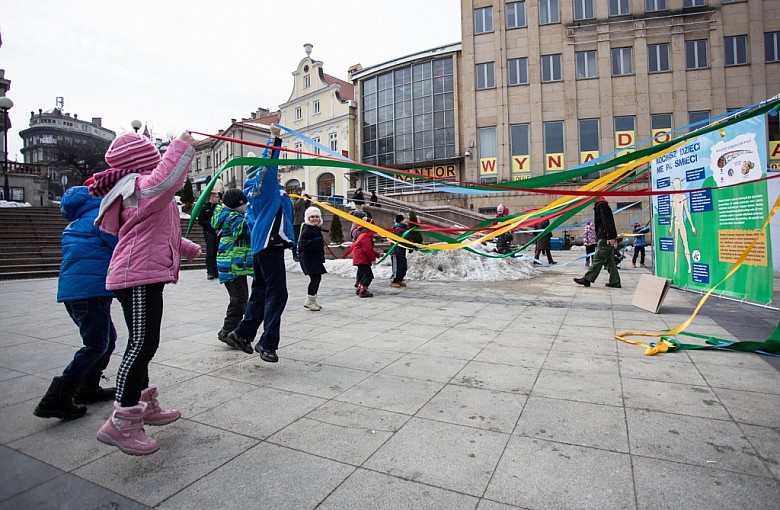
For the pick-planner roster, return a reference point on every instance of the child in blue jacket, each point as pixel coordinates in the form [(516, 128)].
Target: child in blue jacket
[(86, 252)]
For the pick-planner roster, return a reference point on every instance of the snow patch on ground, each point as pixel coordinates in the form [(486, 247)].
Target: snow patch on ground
[(450, 265)]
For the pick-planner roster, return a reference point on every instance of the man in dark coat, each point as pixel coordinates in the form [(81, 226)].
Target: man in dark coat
[(606, 233), (210, 235)]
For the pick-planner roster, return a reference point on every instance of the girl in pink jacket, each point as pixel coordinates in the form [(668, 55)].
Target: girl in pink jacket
[(139, 207)]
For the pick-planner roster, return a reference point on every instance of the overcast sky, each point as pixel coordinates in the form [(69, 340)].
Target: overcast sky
[(195, 64)]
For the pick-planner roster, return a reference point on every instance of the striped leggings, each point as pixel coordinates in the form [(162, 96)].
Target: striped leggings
[(142, 307)]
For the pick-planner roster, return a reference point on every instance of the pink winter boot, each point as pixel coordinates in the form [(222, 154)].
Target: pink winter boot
[(125, 430), (154, 414)]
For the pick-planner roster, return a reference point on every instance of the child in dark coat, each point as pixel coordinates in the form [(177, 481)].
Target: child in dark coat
[(311, 255)]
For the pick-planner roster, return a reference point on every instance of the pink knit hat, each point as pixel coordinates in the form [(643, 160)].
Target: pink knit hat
[(133, 151)]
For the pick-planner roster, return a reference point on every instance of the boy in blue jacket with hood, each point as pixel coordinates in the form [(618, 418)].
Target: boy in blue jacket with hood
[(86, 252), (270, 213)]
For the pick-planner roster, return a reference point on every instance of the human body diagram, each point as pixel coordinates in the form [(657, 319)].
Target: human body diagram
[(680, 211)]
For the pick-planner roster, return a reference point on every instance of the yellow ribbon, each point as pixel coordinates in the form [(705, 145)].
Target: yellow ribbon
[(663, 345)]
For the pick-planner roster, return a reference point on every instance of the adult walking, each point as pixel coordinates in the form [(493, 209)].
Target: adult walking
[(210, 235), (606, 233), (543, 244)]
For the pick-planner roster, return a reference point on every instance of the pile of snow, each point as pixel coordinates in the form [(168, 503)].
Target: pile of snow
[(5, 203), (450, 265)]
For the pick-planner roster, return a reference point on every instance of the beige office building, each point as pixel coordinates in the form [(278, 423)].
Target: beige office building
[(548, 84)]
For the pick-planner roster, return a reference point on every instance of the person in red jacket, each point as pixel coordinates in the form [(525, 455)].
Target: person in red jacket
[(363, 255)]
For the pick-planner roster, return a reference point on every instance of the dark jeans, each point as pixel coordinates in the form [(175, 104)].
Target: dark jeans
[(314, 284), (400, 265), (605, 256), (637, 251), (212, 243), (267, 300), (365, 275), (93, 317), (238, 290), (143, 308), (589, 248)]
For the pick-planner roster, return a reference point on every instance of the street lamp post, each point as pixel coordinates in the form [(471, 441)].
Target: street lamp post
[(136, 124), (5, 105)]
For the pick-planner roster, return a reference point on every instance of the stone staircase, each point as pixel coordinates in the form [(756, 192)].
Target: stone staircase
[(30, 242)]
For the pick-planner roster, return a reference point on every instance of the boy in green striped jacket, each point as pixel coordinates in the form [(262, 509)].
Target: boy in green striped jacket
[(234, 257)]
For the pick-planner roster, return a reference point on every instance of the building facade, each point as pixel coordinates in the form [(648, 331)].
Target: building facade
[(551, 84), (408, 118), (321, 108), (51, 134), (212, 154)]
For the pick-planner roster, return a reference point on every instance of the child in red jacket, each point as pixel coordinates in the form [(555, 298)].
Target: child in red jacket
[(363, 255)]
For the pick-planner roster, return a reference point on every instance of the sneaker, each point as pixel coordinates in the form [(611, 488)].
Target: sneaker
[(266, 355), (613, 285), (366, 293), (642, 265), (582, 281), (396, 285), (238, 342), (553, 263)]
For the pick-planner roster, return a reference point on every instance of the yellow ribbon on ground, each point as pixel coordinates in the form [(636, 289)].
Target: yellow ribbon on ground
[(663, 345)]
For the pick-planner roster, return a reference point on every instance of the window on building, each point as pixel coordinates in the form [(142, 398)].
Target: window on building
[(583, 9), (483, 20), (549, 12), (589, 142), (694, 3), (697, 119), (518, 71), (619, 8), (298, 113), (298, 149), (208, 161), (658, 58), (326, 185), (488, 171), (515, 15), (655, 5), (661, 127), (735, 50), (316, 144), (586, 64), (553, 144), (772, 46), (622, 61), (408, 114), (316, 106), (551, 68), (334, 142), (625, 134), (520, 146), (486, 77), (589, 135), (696, 54), (306, 81)]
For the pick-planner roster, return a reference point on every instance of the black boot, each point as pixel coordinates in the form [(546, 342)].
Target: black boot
[(89, 390), (58, 402)]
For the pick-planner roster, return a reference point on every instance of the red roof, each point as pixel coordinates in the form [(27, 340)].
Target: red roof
[(347, 90)]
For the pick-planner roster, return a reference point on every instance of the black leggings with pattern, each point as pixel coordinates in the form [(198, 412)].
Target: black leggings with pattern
[(142, 307)]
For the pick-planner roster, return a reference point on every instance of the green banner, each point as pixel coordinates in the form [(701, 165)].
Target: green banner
[(699, 235)]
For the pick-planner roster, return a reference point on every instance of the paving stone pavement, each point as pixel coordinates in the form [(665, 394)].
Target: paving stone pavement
[(488, 395)]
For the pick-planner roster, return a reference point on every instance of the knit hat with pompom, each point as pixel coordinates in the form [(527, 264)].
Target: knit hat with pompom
[(132, 151)]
